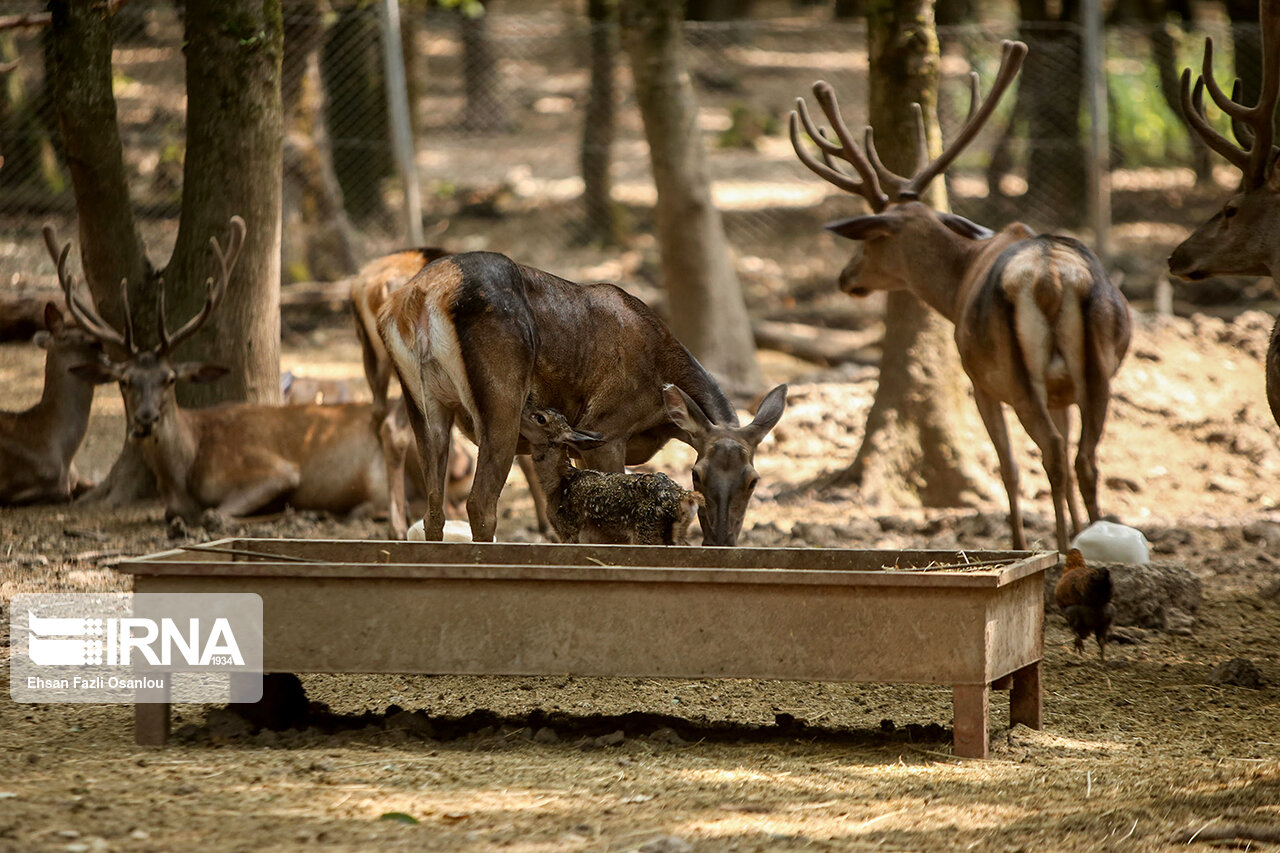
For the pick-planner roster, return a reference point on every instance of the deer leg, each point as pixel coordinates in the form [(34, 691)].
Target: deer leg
[(1053, 451), (993, 418), (535, 491), (1093, 416), (1062, 422), (610, 458), (393, 435), (497, 450), (262, 487), (432, 430)]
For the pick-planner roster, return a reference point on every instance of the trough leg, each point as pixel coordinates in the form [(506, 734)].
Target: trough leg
[(970, 703), (1024, 697), (151, 719)]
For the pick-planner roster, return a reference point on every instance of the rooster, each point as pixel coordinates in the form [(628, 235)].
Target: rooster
[(1084, 594)]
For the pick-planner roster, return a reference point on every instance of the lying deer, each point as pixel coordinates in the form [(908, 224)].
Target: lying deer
[(240, 458), (374, 283), (37, 446), (472, 336), (1038, 324), (1244, 237), (589, 506)]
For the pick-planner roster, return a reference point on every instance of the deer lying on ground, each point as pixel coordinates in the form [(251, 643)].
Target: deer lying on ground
[(1038, 324), (373, 284), (234, 459), (1244, 237), (37, 445), (472, 336), (589, 506)]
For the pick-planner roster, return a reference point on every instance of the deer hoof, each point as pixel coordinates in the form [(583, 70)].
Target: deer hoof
[(212, 521), (177, 527)]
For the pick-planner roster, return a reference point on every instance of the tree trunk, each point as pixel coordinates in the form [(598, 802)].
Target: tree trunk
[(601, 223), (317, 242), (78, 59), (1053, 83), (708, 312), (356, 110), (233, 167), (484, 111), (916, 449)]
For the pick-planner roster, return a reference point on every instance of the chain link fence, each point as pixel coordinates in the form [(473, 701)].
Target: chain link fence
[(497, 110)]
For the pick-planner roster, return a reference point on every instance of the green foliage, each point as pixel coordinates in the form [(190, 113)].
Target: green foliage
[(746, 125), (399, 817), (470, 8)]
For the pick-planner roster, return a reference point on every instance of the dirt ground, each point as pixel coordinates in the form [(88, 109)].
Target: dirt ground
[(1191, 457)]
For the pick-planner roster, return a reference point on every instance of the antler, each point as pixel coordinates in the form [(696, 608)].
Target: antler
[(213, 290), (847, 150), (876, 178), (82, 312), (1252, 126)]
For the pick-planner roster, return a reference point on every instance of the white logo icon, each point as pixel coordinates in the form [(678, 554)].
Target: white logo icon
[(46, 649)]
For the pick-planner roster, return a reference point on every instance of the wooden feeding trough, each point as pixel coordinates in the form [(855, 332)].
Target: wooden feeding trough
[(974, 620)]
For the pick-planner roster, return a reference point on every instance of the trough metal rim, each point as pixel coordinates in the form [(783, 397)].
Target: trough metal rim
[(178, 562)]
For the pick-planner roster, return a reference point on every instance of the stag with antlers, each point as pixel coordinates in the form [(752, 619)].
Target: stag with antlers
[(1038, 324), (235, 459), (1243, 238)]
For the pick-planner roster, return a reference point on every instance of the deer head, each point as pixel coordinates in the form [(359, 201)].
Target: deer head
[(66, 341), (1240, 239), (723, 471), (147, 376), (902, 237), (544, 428)]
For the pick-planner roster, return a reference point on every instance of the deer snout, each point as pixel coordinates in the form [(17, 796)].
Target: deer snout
[(850, 277), (144, 423), (1183, 265)]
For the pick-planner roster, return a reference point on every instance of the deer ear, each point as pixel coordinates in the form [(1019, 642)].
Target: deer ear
[(964, 227), (96, 372), (864, 227), (768, 414), (686, 414), (52, 317), (191, 372)]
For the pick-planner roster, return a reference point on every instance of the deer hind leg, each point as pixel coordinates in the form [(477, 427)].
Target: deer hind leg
[(1093, 417), (394, 435), (1062, 422), (1036, 420), (993, 418), (432, 430), (259, 486)]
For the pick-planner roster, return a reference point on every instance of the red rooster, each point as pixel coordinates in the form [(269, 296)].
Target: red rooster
[(1084, 594)]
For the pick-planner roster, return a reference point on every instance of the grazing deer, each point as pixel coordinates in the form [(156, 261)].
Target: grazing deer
[(590, 506), (1243, 238), (234, 459), (1038, 324), (37, 446), (472, 336), (373, 284)]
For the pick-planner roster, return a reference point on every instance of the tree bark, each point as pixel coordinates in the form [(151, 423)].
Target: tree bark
[(484, 111), (317, 240), (1053, 81), (233, 167), (601, 224), (78, 59), (915, 450), (356, 110), (708, 312)]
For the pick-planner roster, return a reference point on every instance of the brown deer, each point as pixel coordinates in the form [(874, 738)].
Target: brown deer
[(1037, 323), (369, 291), (235, 459), (1243, 238), (37, 445), (473, 336)]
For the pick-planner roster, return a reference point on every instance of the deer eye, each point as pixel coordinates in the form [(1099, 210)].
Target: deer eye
[(1229, 211), (697, 479), (540, 419)]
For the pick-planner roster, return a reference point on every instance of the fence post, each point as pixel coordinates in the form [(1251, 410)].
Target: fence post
[(398, 107), (1095, 58)]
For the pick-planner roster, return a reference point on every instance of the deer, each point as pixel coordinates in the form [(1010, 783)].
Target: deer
[(370, 289), (1243, 238), (474, 336), (590, 506), (37, 445), (218, 463), (1038, 324)]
